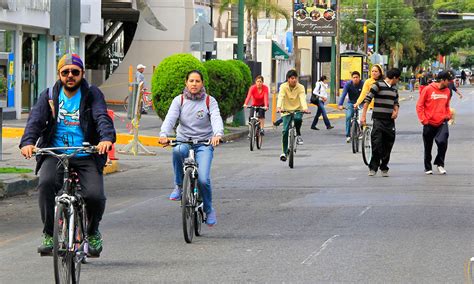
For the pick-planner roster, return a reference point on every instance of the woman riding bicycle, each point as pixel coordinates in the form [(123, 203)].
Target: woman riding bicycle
[(259, 95), (199, 119), (291, 98), (376, 74)]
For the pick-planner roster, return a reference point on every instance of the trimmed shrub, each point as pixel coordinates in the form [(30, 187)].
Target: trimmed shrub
[(224, 85), (169, 78), (244, 86)]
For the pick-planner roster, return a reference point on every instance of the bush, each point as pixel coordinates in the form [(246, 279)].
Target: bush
[(169, 78), (225, 81), (246, 83)]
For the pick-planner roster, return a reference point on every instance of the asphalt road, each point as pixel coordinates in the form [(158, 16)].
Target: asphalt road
[(323, 221)]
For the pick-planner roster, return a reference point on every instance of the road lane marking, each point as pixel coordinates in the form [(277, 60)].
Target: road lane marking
[(123, 210), (317, 252), (4, 242), (365, 210), (468, 271)]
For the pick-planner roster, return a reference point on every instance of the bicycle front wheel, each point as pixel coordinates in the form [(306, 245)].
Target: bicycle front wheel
[(355, 136), (62, 257), (258, 138), (291, 147), (187, 206), (252, 135), (198, 219), (367, 145)]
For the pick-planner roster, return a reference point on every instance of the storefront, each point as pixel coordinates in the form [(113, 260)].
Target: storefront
[(28, 54)]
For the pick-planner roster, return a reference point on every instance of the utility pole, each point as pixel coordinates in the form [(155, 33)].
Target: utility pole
[(338, 54), (377, 16), (239, 117)]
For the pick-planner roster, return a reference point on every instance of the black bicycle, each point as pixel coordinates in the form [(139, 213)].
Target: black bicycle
[(292, 145), (191, 201), (255, 135), (355, 131), (367, 144), (70, 239)]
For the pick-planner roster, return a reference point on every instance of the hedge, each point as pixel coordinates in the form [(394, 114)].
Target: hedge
[(169, 78), (225, 80), (244, 87)]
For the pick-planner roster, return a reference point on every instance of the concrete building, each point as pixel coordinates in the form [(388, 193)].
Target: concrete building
[(28, 53)]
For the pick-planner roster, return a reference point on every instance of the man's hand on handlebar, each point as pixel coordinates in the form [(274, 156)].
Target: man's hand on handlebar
[(27, 151), (103, 147)]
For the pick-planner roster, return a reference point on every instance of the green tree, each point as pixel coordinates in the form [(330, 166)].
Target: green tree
[(469, 62), (399, 31), (455, 61), (452, 34), (169, 78)]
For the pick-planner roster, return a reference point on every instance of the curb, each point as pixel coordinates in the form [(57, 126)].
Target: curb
[(17, 185)]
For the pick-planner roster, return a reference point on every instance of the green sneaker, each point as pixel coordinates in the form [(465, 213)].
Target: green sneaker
[(95, 245), (46, 246)]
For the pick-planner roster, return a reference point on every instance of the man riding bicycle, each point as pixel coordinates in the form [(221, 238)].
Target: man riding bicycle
[(353, 89), (258, 93), (66, 115), (291, 98)]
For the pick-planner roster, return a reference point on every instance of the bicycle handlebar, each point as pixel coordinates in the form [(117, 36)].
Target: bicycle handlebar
[(51, 151), (174, 143), (257, 107)]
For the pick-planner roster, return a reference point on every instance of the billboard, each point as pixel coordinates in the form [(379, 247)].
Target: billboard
[(314, 17), (350, 64)]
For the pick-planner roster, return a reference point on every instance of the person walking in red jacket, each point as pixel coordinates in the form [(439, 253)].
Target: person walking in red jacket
[(433, 112), (258, 93)]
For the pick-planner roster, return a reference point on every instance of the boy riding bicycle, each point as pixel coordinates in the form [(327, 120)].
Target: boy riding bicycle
[(291, 98), (68, 114)]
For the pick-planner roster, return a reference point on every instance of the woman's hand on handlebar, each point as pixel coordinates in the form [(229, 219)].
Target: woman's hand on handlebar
[(216, 140), (27, 151), (164, 140)]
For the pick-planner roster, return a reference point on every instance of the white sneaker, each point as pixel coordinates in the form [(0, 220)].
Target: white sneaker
[(371, 173), (299, 140), (348, 139), (428, 172), (441, 170)]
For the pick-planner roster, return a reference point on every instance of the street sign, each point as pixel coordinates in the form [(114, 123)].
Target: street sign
[(201, 36), (376, 58), (59, 20)]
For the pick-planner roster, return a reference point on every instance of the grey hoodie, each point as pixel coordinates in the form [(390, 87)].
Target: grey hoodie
[(196, 121)]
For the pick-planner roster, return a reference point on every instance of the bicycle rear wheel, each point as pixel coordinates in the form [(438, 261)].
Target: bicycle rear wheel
[(355, 136), (252, 135), (291, 147), (125, 103), (366, 145), (187, 206), (62, 258)]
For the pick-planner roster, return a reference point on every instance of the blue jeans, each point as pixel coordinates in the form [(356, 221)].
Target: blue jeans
[(321, 111), (203, 155), (349, 114)]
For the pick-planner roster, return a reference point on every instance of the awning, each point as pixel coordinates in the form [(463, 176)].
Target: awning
[(278, 52)]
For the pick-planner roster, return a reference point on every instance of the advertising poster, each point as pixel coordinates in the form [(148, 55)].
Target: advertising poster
[(349, 64), (314, 17)]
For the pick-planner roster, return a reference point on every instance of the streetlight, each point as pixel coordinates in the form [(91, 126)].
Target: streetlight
[(365, 21)]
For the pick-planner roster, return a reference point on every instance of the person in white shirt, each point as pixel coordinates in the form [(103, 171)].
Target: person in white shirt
[(321, 91)]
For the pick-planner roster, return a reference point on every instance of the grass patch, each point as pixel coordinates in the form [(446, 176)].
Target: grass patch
[(233, 124), (14, 170)]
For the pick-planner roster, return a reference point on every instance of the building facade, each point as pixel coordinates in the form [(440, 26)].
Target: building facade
[(28, 53)]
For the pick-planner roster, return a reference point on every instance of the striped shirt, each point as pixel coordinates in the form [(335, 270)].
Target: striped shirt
[(385, 99)]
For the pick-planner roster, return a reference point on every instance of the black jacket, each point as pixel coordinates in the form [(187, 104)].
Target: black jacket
[(94, 120)]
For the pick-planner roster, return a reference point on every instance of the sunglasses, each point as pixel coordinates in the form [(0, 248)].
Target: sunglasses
[(74, 72)]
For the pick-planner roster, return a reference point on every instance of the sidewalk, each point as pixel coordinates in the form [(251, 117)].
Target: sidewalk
[(14, 184)]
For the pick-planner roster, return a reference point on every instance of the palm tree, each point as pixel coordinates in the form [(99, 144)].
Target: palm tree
[(253, 9)]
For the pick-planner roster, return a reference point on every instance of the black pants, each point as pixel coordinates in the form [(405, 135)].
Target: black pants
[(382, 139), (440, 135), (92, 189)]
